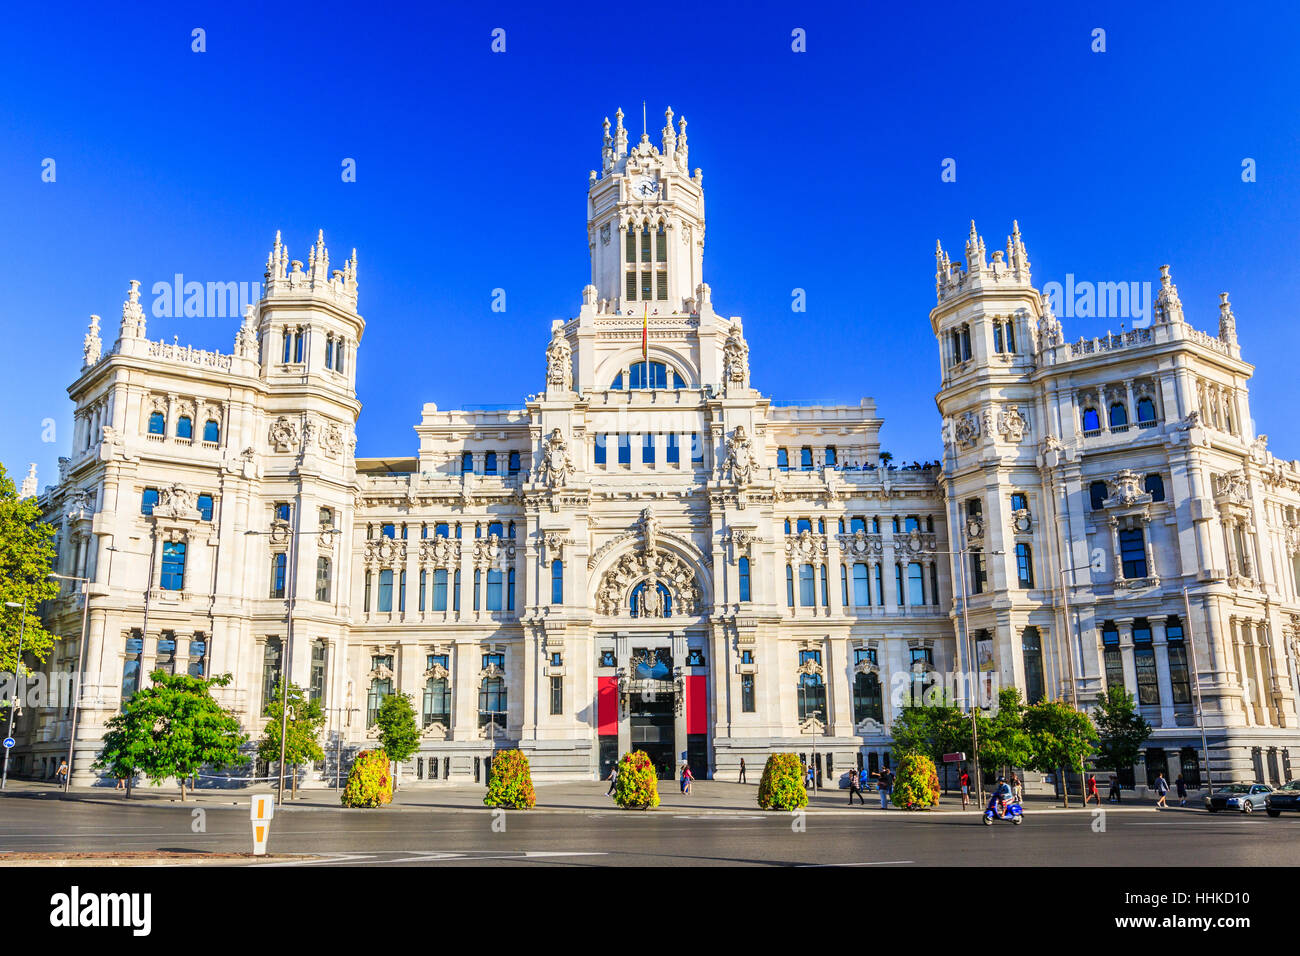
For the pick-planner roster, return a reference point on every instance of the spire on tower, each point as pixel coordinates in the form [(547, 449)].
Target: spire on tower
[(683, 161), (29, 483), (670, 136), (975, 260), (133, 323), (620, 134), (92, 345), (1227, 321), (1168, 307)]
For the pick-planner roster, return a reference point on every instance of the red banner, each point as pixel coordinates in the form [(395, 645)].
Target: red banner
[(607, 705), (697, 704)]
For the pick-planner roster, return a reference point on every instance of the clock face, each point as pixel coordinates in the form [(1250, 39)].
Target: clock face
[(645, 188)]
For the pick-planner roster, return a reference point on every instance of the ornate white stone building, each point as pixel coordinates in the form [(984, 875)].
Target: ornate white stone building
[(651, 553)]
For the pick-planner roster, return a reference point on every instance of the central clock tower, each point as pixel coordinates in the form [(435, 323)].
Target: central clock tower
[(645, 223)]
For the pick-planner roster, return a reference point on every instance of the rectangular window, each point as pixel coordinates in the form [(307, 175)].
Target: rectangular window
[(365, 600), (697, 449), (645, 285), (1132, 550), (205, 507), (648, 448), (198, 657), (440, 589), (165, 655), (319, 650), (322, 579), (1024, 565), (978, 571), (661, 286), (1111, 658), (861, 587), (744, 579), (789, 586), (148, 500), (513, 463), (385, 591), (557, 695), (844, 585), (599, 451), (478, 584), (424, 582), (630, 247), (631, 286), (270, 670), (807, 597), (898, 583), (673, 453), (826, 600), (131, 666), (880, 586), (494, 590), (661, 246), (1144, 663), (401, 590), (747, 693), (915, 585), (624, 449), (173, 566), (1179, 676), (557, 582)]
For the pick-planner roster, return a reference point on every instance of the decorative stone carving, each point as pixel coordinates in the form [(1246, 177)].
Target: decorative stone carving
[(650, 602), (739, 463), (284, 434), (1125, 490), (1012, 425), (439, 552), (1022, 521), (553, 543), (805, 546), (1232, 488), (914, 543), (735, 360), (385, 552), (381, 672), (492, 551), (613, 596), (176, 502), (859, 544), (331, 440), (741, 542), (559, 361), (974, 528), (92, 345), (966, 429), (556, 466)]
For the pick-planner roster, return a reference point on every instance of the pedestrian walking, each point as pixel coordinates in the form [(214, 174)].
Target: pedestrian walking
[(1181, 786), (964, 780), (742, 769), (613, 779), (1114, 789), (855, 787), (1162, 790), (61, 775), (808, 778), (862, 780), (886, 786), (1016, 788), (1091, 793), (686, 778)]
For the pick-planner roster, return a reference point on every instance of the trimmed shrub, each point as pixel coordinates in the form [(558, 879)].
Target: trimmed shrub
[(370, 784), (637, 787), (511, 783), (916, 786), (782, 786)]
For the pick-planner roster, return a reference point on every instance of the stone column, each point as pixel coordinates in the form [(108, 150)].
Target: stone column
[(840, 686), (465, 668), (1161, 645), (1125, 625)]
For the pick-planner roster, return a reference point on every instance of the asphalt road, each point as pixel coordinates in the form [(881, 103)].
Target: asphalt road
[(1137, 837)]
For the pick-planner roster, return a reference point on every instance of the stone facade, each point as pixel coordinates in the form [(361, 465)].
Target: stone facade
[(651, 553)]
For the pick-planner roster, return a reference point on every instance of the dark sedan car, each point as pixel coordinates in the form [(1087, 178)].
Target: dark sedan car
[(1246, 797), (1285, 797)]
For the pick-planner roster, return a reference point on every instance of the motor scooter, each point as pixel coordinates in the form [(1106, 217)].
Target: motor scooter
[(1013, 813)]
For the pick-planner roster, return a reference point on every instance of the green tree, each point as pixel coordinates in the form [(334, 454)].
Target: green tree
[(932, 728), (398, 733), (1059, 737), (301, 731), (782, 786), (510, 785), (1004, 741), (916, 784), (172, 729), (1121, 730), (636, 787), (26, 559)]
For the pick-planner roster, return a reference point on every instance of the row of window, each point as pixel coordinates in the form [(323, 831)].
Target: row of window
[(979, 572), (441, 529), (1117, 415), (650, 442), (149, 499), (652, 375), (912, 587), (493, 701), (856, 523), (1144, 661), (489, 463), (500, 592), (165, 649), (829, 458), (959, 346), (185, 427), (658, 275), (295, 347)]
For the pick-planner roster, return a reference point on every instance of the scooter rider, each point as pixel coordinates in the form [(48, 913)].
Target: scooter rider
[(1002, 795)]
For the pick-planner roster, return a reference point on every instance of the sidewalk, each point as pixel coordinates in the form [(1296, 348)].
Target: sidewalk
[(708, 797)]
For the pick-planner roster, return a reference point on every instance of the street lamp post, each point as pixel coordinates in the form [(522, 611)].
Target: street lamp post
[(13, 703), (76, 678)]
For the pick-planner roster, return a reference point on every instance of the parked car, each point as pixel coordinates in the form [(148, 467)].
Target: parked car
[(1246, 797), (1285, 797)]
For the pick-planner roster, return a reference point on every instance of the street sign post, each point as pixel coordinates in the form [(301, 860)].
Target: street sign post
[(9, 742), (954, 758), (261, 810)]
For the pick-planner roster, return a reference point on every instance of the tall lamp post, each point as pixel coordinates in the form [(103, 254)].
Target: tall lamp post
[(13, 701), (76, 679)]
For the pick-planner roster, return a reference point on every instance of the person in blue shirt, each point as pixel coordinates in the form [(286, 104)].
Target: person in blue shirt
[(863, 780), (1002, 795)]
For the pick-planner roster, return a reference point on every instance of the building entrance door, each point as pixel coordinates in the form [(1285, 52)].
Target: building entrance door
[(651, 718)]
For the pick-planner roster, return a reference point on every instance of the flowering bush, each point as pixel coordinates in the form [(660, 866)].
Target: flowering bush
[(370, 784), (916, 786), (636, 787), (511, 783), (782, 786)]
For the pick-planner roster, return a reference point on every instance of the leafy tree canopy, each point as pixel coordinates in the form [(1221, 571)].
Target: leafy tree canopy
[(398, 733), (1121, 729), (26, 558)]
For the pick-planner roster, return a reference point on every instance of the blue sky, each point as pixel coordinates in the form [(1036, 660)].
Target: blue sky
[(821, 172)]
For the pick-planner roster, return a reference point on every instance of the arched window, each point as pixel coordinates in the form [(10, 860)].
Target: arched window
[(782, 459), (1091, 420), (1155, 487), (157, 423), (805, 459), (329, 350), (789, 586), (744, 579), (830, 456), (338, 356), (655, 377), (322, 579), (1032, 647), (288, 344), (1097, 494), (492, 702), (557, 582), (868, 702), (665, 599), (1146, 410), (1025, 565), (211, 431), (379, 689), (618, 381), (1118, 415), (185, 427)]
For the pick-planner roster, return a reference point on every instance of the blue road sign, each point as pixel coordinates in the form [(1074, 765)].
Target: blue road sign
[(9, 742)]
